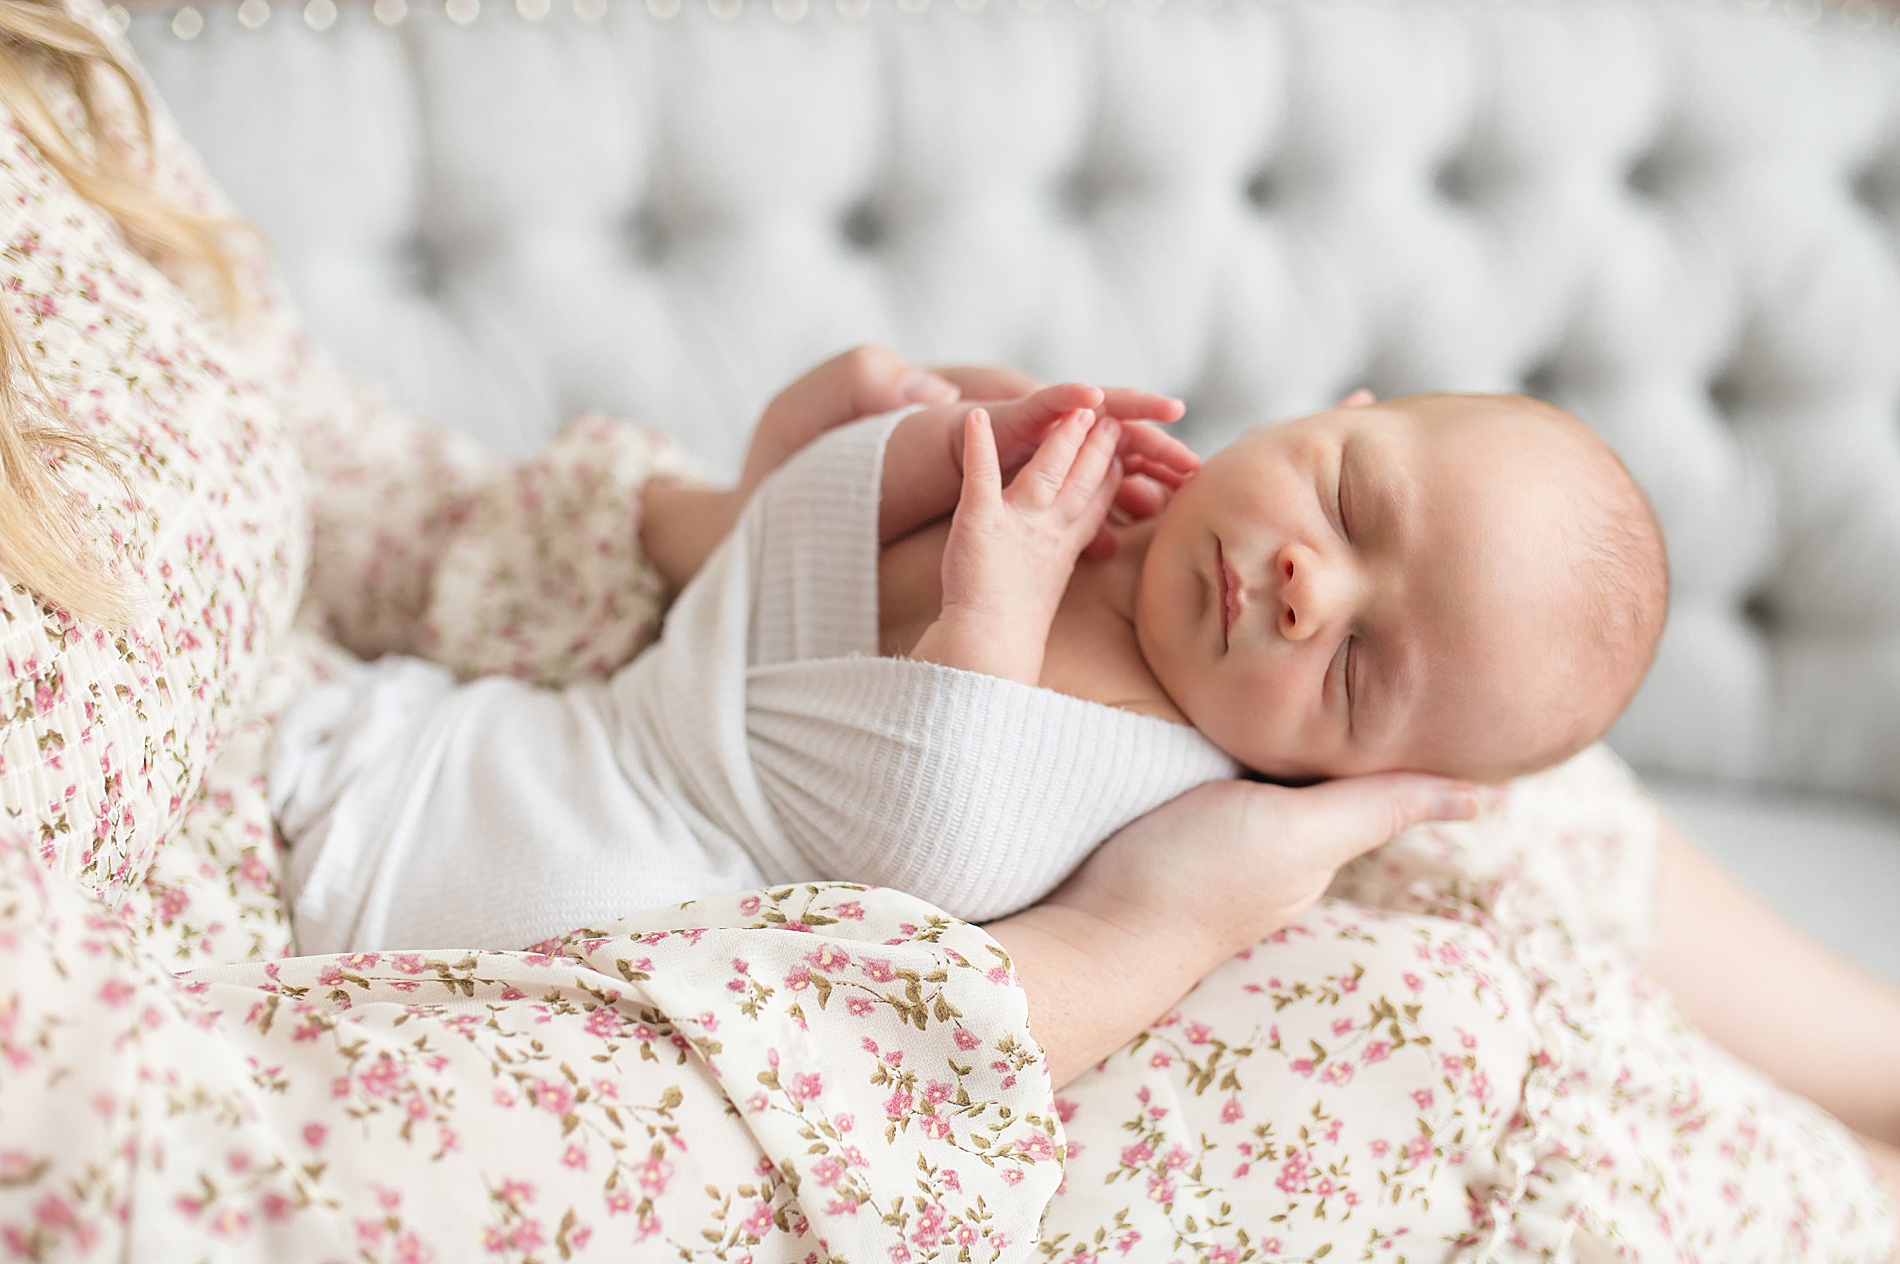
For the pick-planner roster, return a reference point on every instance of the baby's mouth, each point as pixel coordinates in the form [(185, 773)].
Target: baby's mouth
[(1225, 583)]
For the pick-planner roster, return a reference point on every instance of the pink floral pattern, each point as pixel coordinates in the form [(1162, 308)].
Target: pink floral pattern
[(1456, 1057), (572, 1102), (1339, 1087)]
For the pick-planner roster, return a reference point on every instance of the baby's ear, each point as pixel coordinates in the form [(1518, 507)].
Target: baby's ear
[(1358, 399)]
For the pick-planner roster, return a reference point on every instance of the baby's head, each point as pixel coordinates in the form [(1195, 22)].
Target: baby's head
[(1469, 585)]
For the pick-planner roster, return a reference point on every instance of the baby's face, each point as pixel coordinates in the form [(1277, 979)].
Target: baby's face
[(1370, 589)]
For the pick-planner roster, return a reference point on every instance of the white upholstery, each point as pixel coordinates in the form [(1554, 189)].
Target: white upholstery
[(1680, 219)]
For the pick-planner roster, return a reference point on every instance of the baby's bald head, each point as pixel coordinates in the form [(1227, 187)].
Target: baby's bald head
[(1463, 584), (1603, 596)]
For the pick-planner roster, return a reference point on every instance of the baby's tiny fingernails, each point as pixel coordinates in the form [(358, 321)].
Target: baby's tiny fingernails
[(921, 386)]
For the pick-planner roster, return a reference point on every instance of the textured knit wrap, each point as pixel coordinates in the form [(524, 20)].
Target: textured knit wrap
[(762, 740)]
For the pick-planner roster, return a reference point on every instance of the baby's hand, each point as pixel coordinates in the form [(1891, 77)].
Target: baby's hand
[(920, 485), (1011, 551), (1161, 462), (1020, 426)]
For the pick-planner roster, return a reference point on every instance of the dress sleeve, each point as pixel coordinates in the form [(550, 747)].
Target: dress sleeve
[(423, 542), (814, 1072)]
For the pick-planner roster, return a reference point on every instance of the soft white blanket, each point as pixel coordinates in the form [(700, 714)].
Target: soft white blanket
[(762, 740)]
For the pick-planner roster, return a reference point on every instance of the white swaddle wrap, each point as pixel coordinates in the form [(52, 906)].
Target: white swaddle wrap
[(761, 740)]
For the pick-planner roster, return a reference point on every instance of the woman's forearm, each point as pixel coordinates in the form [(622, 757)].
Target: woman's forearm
[(1114, 947), (1093, 983), (1175, 893), (681, 525)]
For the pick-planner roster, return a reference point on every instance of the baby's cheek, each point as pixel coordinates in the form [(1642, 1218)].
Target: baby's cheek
[(1249, 719)]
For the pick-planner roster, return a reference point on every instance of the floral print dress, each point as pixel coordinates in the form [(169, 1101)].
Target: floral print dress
[(1456, 1058)]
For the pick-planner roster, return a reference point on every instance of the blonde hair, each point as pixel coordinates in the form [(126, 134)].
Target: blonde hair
[(41, 544)]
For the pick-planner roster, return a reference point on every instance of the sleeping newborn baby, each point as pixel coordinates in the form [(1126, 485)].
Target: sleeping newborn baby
[(860, 684)]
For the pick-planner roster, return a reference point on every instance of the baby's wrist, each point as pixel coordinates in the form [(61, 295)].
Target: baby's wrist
[(972, 639)]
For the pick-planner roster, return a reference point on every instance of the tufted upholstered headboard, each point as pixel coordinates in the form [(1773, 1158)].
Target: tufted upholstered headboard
[(1680, 219)]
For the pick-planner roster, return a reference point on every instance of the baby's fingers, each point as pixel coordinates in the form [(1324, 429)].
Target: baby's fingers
[(1088, 475), (1096, 491), (1033, 416), (1151, 450), (1140, 496), (1125, 403), (1041, 481), (1166, 476), (1094, 518), (982, 474)]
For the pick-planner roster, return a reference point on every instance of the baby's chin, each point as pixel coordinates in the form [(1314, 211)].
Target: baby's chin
[(1294, 771), (1483, 767), (1299, 775)]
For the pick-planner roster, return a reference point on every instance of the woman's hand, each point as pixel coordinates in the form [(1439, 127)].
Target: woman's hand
[(1235, 861), (1180, 890)]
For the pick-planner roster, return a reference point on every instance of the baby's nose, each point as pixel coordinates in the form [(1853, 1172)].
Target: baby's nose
[(1311, 592)]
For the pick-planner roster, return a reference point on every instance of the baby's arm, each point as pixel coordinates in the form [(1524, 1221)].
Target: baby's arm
[(682, 524), (1011, 551)]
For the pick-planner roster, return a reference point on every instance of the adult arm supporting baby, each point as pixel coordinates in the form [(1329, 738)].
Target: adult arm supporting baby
[(1182, 889)]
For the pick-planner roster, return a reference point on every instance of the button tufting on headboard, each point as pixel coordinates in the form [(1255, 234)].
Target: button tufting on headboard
[(1681, 220)]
